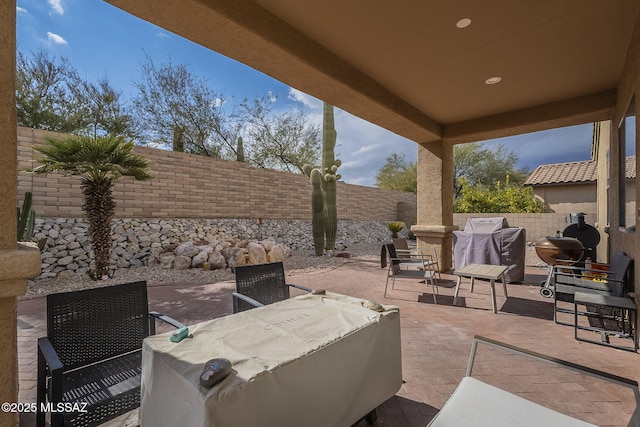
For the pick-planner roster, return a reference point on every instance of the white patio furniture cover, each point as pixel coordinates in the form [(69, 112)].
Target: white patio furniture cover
[(312, 360)]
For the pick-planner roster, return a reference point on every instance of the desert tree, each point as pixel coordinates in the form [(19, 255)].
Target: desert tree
[(473, 163), (46, 93), (398, 174), (478, 164), (107, 112), (284, 140), (175, 108)]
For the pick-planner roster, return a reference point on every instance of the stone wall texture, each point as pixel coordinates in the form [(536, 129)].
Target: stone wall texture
[(138, 242)]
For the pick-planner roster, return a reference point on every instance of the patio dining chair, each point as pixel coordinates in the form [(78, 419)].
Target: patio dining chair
[(610, 280), (261, 284), (403, 252), (89, 364), (415, 265)]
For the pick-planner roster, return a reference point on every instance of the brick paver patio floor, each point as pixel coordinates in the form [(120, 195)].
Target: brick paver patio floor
[(436, 340)]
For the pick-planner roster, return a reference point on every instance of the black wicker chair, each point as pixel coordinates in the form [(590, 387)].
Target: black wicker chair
[(260, 284), (89, 364)]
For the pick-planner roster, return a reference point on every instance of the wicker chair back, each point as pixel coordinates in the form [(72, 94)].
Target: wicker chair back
[(119, 312), (264, 283)]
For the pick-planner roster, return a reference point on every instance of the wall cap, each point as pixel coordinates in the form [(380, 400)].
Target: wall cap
[(433, 230), (18, 264)]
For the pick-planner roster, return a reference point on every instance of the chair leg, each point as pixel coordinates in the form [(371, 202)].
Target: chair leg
[(40, 391), (434, 287), (385, 286), (430, 279), (437, 264), (371, 417), (455, 295), (504, 286)]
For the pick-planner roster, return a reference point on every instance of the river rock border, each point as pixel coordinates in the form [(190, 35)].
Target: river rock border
[(138, 242)]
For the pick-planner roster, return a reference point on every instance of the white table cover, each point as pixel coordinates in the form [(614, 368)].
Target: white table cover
[(313, 360)]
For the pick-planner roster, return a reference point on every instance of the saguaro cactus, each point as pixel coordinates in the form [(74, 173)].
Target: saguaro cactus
[(240, 150), (26, 219), (317, 211), (323, 180)]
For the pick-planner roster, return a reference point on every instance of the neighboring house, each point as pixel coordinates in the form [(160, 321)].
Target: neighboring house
[(571, 187)]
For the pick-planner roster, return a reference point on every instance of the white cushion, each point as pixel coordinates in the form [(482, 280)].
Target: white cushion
[(475, 403)]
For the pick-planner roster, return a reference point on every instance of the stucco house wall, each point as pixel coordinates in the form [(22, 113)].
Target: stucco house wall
[(567, 198)]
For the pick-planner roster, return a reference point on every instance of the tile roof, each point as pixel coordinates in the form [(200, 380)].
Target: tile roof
[(572, 173)]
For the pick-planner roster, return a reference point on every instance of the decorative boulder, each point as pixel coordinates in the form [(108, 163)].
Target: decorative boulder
[(277, 253), (208, 249), (187, 249), (216, 245), (236, 256), (268, 244), (257, 253), (182, 262), (199, 260), (217, 261)]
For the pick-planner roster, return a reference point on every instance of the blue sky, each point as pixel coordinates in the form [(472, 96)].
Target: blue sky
[(101, 40)]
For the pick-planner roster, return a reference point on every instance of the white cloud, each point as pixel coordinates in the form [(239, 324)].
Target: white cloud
[(361, 146), (55, 38), (162, 35), (308, 100), (21, 9), (56, 6), (366, 149), (218, 102)]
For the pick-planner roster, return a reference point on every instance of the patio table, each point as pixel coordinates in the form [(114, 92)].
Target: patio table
[(482, 271), (312, 360)]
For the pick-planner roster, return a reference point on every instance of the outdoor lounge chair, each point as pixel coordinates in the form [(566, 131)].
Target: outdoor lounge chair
[(415, 265), (610, 280), (475, 403), (90, 360), (260, 284)]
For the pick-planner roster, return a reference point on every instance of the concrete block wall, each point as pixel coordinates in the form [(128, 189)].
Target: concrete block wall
[(191, 186)]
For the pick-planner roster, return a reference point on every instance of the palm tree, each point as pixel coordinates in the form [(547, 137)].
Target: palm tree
[(98, 161)]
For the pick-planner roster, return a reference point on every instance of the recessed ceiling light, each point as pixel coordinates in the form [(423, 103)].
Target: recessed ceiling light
[(493, 80), (463, 23)]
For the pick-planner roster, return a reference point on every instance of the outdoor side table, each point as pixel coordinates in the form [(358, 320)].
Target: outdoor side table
[(482, 271), (312, 360), (624, 306)]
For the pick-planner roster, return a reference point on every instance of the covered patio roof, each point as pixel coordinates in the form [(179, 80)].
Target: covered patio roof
[(409, 68)]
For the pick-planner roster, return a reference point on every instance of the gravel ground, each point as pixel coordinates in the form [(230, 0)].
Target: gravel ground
[(298, 263)]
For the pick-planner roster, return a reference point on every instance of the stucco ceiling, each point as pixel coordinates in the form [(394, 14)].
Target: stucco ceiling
[(406, 66)]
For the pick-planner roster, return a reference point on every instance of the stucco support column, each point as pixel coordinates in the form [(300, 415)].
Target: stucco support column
[(602, 134), (17, 262), (435, 200)]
